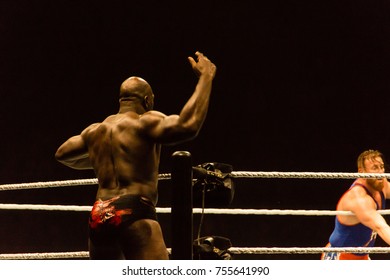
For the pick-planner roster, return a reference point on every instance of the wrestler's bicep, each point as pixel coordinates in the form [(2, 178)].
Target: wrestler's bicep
[(365, 210)]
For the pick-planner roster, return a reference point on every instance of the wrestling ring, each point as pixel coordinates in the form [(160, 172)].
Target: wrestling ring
[(207, 211)]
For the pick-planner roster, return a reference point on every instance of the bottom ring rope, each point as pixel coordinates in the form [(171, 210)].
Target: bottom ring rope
[(308, 250), (233, 250)]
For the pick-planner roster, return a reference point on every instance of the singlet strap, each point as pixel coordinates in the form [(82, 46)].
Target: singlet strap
[(383, 200), (361, 185)]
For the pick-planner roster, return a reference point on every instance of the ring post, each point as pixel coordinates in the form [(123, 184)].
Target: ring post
[(181, 215)]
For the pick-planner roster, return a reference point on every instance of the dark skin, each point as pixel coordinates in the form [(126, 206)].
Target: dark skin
[(124, 151)]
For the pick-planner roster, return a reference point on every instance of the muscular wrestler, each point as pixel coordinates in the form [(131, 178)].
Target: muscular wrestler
[(363, 198), (124, 151)]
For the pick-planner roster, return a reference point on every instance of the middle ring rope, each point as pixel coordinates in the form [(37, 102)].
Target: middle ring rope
[(165, 210)]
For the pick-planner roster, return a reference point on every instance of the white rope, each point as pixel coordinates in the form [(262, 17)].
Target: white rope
[(166, 210), (63, 183), (279, 212), (237, 174), (45, 256), (307, 175), (50, 184), (233, 250), (45, 207), (309, 250)]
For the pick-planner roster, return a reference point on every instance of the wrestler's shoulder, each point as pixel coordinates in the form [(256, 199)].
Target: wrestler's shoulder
[(90, 128), (358, 191), (133, 115), (153, 113)]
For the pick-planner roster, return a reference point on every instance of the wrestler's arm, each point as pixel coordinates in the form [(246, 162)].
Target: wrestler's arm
[(74, 152), (386, 188), (185, 126), (365, 210)]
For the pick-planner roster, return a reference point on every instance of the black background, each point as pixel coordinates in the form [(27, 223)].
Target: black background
[(300, 86)]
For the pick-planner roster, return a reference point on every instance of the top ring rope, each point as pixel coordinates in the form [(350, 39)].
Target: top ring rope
[(63, 183), (241, 174)]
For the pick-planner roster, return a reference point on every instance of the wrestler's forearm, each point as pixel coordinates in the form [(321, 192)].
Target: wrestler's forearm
[(78, 163), (379, 225), (73, 158), (74, 153), (195, 110), (384, 233)]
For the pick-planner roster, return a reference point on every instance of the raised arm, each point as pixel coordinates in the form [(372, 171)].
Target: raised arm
[(185, 126)]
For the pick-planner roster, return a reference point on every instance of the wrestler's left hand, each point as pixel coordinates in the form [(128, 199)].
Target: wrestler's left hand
[(203, 66)]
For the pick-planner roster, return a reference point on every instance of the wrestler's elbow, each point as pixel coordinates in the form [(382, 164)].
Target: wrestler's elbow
[(178, 137), (63, 157), (192, 127), (79, 164), (59, 155), (63, 160), (190, 132)]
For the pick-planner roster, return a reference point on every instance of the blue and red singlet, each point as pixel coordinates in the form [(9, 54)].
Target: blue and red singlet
[(352, 235)]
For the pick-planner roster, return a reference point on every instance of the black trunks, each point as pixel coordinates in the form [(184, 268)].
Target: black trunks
[(109, 216)]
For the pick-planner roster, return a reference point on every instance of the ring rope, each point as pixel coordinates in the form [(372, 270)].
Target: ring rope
[(233, 250), (237, 174), (165, 210), (306, 175), (50, 184), (62, 183), (308, 250), (45, 256), (45, 207)]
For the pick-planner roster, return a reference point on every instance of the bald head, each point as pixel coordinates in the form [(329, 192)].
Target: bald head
[(136, 89)]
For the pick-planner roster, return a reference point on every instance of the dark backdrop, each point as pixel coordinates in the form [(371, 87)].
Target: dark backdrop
[(301, 86)]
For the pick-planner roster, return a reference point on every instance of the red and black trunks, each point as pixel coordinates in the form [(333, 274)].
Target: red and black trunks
[(109, 216)]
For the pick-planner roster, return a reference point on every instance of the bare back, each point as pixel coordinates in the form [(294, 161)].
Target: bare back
[(125, 161)]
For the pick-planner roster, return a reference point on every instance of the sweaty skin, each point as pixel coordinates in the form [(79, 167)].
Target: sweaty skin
[(124, 151)]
